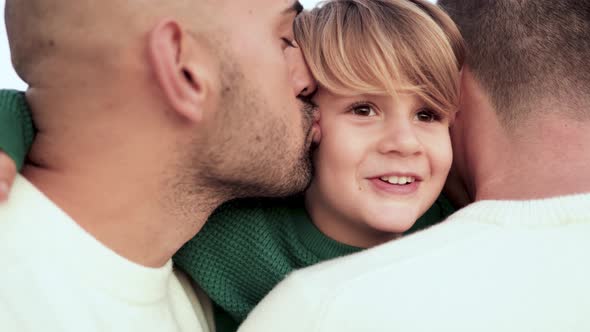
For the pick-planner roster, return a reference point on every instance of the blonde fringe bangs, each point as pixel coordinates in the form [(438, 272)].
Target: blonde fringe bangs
[(383, 47)]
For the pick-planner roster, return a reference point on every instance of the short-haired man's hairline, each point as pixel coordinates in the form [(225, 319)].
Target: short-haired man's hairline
[(520, 53)]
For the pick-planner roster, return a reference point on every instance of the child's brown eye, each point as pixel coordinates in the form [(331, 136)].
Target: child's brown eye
[(363, 110), (428, 115)]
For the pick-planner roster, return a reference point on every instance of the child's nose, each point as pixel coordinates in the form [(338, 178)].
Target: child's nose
[(400, 138)]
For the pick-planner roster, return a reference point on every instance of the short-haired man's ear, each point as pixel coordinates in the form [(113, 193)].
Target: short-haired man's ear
[(183, 73)]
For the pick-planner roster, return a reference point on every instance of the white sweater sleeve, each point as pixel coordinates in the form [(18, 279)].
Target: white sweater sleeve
[(9, 321), (290, 306)]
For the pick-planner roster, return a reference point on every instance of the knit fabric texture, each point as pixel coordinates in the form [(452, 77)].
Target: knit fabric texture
[(248, 246), (492, 266), (16, 126)]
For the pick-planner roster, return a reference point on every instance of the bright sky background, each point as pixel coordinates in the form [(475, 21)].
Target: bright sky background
[(9, 79)]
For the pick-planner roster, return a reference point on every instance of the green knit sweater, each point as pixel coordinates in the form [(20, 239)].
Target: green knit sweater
[(16, 126), (245, 248)]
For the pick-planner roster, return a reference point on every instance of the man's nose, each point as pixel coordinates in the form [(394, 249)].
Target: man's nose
[(304, 84)]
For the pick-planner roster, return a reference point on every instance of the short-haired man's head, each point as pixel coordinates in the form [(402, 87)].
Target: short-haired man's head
[(528, 55), (383, 47)]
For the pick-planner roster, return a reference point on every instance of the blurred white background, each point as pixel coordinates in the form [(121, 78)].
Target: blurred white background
[(9, 79), (308, 3)]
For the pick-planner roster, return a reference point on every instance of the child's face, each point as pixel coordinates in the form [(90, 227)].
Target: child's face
[(380, 165)]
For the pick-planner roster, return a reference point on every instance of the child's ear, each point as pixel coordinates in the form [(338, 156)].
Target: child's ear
[(182, 68)]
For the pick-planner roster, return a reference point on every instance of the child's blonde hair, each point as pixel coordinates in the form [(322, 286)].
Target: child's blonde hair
[(384, 47)]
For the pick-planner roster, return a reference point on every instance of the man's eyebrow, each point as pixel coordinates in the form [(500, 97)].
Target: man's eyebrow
[(296, 7)]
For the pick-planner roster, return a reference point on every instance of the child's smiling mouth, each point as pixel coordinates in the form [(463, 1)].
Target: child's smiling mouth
[(399, 180), (396, 183)]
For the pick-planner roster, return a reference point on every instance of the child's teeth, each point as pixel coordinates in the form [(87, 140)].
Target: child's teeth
[(398, 180)]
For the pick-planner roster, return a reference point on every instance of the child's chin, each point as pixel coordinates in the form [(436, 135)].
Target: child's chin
[(397, 225)]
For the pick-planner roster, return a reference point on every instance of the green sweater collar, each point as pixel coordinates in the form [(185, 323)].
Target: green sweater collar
[(314, 240)]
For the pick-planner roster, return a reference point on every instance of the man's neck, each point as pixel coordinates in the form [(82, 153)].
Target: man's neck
[(548, 160), (107, 159), (127, 205)]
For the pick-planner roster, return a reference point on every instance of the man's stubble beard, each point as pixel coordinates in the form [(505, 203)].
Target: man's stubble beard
[(249, 151)]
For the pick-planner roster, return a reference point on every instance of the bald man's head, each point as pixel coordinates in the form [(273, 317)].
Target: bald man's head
[(186, 90), (43, 32)]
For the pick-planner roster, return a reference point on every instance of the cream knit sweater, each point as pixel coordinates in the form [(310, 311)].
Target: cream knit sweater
[(57, 277), (493, 266)]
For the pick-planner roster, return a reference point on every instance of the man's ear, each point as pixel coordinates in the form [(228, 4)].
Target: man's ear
[(182, 70)]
